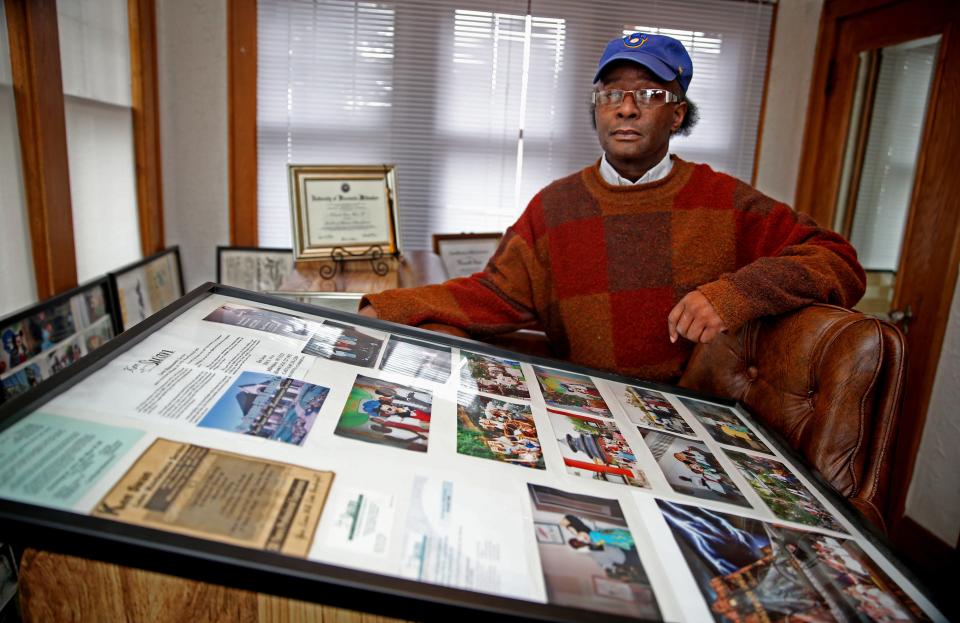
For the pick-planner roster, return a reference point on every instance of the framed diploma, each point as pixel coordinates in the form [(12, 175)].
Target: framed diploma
[(341, 212)]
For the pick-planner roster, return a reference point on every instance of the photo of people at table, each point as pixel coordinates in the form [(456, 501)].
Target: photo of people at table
[(495, 429), (780, 490), (750, 570), (724, 425), (595, 449), (387, 413), (588, 555), (492, 375), (651, 409), (417, 359), (571, 391), (691, 469), (268, 406), (336, 341)]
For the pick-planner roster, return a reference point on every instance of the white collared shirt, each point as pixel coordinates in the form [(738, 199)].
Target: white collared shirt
[(656, 172)]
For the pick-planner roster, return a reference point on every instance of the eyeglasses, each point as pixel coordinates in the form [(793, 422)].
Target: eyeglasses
[(645, 98)]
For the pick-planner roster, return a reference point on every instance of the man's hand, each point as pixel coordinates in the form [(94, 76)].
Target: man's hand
[(695, 319), (368, 310)]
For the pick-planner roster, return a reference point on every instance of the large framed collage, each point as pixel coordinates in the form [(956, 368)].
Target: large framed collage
[(248, 440)]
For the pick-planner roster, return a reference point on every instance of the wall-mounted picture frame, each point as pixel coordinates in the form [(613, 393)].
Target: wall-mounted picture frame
[(343, 211), (548, 532), (261, 269), (145, 287), (465, 254)]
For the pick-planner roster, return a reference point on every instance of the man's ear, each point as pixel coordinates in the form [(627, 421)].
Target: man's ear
[(678, 115)]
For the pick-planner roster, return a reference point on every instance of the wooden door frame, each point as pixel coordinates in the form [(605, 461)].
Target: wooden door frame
[(932, 218)]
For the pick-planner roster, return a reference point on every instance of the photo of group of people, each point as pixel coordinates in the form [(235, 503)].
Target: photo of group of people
[(750, 570), (498, 430), (780, 490), (345, 343), (690, 468), (588, 555), (492, 375), (595, 449), (571, 392), (417, 359), (387, 413), (651, 409), (268, 406), (51, 339), (724, 425)]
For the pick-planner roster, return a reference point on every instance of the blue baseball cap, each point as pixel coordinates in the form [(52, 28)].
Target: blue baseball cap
[(664, 56)]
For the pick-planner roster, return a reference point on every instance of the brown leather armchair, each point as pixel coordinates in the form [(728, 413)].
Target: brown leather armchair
[(828, 380)]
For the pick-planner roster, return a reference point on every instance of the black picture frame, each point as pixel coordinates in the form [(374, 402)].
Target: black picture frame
[(211, 561), (103, 284), (224, 250), (118, 276)]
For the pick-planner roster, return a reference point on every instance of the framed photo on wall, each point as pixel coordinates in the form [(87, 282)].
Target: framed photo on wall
[(260, 269), (465, 254), (343, 211)]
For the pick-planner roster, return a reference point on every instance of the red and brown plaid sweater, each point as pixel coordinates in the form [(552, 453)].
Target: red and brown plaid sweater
[(599, 267)]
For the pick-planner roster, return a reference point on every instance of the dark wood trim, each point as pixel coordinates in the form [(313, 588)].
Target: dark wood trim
[(242, 120), (146, 123), (766, 88), (35, 60)]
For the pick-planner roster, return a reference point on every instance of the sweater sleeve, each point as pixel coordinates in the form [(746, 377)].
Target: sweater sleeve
[(500, 299), (786, 261)]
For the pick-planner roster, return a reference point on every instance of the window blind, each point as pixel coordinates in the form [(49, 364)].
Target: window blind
[(479, 107), (95, 67)]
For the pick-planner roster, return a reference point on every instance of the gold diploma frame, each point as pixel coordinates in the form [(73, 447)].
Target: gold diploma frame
[(343, 212)]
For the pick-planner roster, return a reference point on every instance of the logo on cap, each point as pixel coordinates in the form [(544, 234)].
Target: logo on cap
[(634, 41)]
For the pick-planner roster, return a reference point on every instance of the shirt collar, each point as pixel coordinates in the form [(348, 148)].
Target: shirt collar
[(656, 172)]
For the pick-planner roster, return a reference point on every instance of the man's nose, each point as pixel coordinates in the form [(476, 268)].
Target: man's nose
[(628, 107)]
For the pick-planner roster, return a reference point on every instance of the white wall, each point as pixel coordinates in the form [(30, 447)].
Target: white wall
[(192, 66), (934, 496), (788, 90)]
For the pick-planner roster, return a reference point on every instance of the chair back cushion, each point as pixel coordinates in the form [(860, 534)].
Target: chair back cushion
[(828, 380)]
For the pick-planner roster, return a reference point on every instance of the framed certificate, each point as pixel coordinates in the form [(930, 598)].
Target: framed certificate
[(341, 212), (465, 254)]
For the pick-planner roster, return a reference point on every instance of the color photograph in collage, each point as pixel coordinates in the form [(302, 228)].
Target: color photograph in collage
[(724, 425), (651, 409), (266, 320), (495, 429), (571, 392), (387, 413), (268, 406), (346, 343), (750, 570), (21, 380), (782, 492), (417, 359), (588, 556), (595, 449), (492, 375), (691, 469)]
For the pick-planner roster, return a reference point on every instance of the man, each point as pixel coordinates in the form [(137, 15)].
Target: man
[(620, 260)]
